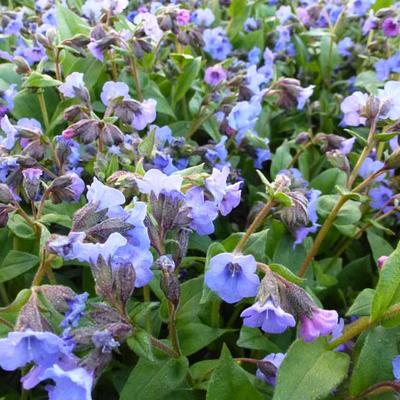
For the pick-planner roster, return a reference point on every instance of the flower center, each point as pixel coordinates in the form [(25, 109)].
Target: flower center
[(234, 268)]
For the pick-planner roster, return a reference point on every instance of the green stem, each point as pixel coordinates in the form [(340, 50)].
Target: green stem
[(42, 270), (163, 347), (43, 108), (3, 294), (377, 389), (173, 334), (135, 76), (254, 225)]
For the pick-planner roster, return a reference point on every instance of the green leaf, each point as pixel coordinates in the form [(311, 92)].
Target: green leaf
[(140, 343), (147, 144), (286, 273), (229, 381), (69, 24), (16, 263), (388, 287), (194, 336), (349, 213), (379, 246), (254, 339), (60, 219), (362, 304), (374, 363), (283, 199), (36, 80), (186, 78), (154, 380), (328, 57), (327, 180), (310, 371), (281, 159), (20, 227), (152, 91), (238, 12), (367, 80)]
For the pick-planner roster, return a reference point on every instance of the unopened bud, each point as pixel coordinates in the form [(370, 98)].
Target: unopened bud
[(302, 137), (31, 182), (166, 264), (393, 161), (22, 66), (338, 160), (381, 261), (104, 229), (6, 195)]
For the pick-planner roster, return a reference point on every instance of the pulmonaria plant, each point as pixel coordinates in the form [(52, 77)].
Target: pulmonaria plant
[(195, 193)]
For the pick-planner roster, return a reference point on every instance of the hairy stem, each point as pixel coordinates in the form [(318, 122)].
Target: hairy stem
[(254, 225), (43, 108), (135, 76)]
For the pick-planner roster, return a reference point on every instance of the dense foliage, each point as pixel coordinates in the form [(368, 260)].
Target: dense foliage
[(199, 200)]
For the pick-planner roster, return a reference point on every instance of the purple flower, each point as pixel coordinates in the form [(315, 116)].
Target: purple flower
[(112, 90), (216, 43), (183, 17), (303, 94), (76, 187), (269, 317), (103, 340), (203, 17), (251, 24), (96, 50), (370, 23), (381, 261), (76, 308), (381, 198), (104, 196), (9, 94), (319, 323), (344, 47), (146, 115), (154, 181), (358, 8), (202, 212), (32, 175), (391, 27), (226, 197), (73, 85), (232, 276), (22, 348), (369, 167), (275, 359), (352, 107), (9, 141), (150, 26), (64, 246), (214, 75), (389, 97), (396, 367), (283, 43), (382, 69), (218, 154), (73, 384), (90, 252)]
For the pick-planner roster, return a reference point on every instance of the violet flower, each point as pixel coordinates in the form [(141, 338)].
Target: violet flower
[(215, 75), (269, 373), (319, 323)]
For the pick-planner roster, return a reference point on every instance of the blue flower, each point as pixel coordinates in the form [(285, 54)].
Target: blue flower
[(381, 197), (11, 133), (22, 348), (73, 85), (394, 62), (218, 154), (344, 46), (382, 69), (244, 116), (269, 317), (112, 90), (371, 166), (73, 384), (232, 276), (275, 359), (202, 212), (154, 181), (396, 367), (203, 17), (216, 43), (76, 308), (103, 340), (104, 196), (226, 197), (254, 55)]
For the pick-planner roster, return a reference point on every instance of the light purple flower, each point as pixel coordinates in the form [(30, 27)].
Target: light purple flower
[(284, 13), (391, 27), (22, 348), (370, 23), (73, 384), (64, 246), (215, 75), (303, 95), (104, 196), (203, 17), (11, 133), (269, 317), (396, 367), (112, 90), (150, 26), (319, 323), (371, 166), (276, 360), (103, 340), (90, 252), (76, 187), (232, 276), (73, 85), (226, 197), (389, 97), (76, 308), (32, 175), (381, 261), (146, 116), (202, 212), (96, 50), (157, 182), (352, 107)]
